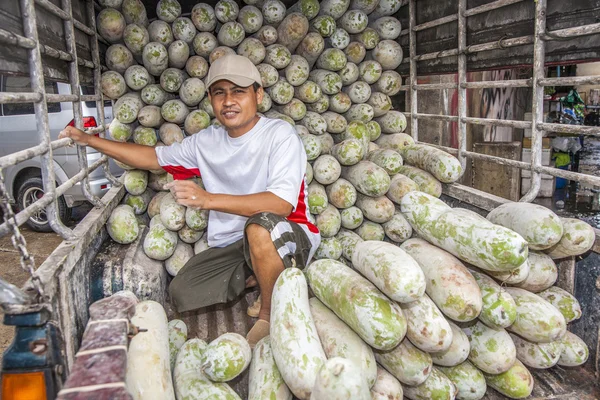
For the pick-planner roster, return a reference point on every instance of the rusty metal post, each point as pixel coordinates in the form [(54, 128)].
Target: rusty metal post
[(537, 105), (97, 86), (412, 22), (462, 79), (75, 89), (36, 73)]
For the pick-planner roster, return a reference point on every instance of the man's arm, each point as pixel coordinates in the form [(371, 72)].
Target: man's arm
[(132, 154), (188, 194)]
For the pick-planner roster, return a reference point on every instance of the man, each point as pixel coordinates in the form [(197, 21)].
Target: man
[(253, 169)]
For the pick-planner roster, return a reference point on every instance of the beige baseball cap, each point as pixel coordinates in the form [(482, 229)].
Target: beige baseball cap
[(237, 69)]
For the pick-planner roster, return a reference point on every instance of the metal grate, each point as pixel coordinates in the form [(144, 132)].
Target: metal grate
[(39, 97), (539, 39)]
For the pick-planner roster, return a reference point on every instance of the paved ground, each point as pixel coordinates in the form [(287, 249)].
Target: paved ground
[(40, 245)]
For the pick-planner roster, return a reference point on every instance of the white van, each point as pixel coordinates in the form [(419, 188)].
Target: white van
[(18, 131)]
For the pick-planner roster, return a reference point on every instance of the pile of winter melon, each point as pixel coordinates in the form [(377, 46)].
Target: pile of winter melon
[(163, 364), (327, 67), (412, 296)]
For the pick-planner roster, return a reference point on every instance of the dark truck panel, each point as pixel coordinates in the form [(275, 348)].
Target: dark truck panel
[(512, 21), (51, 33)]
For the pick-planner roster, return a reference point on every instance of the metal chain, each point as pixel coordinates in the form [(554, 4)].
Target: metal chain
[(18, 241)]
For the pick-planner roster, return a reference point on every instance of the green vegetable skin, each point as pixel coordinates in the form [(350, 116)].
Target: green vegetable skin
[(542, 273), (398, 229), (226, 357), (445, 167), (330, 248), (575, 351), (352, 218), (189, 380), (386, 387), (265, 380), (177, 337), (469, 381), (340, 378), (317, 198), (423, 179), (492, 350), (122, 226), (387, 159), (537, 355), (399, 186), (113, 84), (294, 339), (427, 327), (172, 214), (499, 309), (369, 230), (341, 194), (407, 363), (136, 181), (326, 169), (377, 209), (394, 122), (159, 243), (564, 301), (348, 240), (578, 237), (537, 320), (111, 25), (458, 351), (367, 178), (436, 387), (183, 252), (329, 221), (516, 383), (512, 277), (376, 319), (539, 226), (449, 284), (339, 340), (465, 236), (393, 271)]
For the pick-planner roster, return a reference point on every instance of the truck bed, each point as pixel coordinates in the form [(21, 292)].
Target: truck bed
[(556, 383), (78, 273), (113, 261)]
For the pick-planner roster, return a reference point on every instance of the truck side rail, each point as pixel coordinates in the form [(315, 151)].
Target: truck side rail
[(30, 41), (539, 40)]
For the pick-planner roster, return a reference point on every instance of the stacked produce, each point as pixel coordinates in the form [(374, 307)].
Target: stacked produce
[(163, 364), (470, 303)]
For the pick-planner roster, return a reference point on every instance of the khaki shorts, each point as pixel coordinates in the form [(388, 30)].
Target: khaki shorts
[(218, 275)]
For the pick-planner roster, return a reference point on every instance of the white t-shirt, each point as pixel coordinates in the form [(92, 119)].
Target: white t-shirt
[(269, 157)]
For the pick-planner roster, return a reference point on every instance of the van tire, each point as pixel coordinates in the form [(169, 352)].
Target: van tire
[(33, 188)]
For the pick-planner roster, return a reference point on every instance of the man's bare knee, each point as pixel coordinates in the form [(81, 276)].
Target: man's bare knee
[(259, 238)]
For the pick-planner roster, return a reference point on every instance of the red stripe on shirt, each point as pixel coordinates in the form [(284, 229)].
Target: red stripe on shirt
[(181, 173), (299, 215)]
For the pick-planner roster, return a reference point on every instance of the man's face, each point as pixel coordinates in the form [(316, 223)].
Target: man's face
[(235, 106)]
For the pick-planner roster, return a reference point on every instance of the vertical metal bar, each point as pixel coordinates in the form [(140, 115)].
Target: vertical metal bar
[(36, 73), (97, 87), (71, 46), (412, 22), (462, 79), (537, 109)]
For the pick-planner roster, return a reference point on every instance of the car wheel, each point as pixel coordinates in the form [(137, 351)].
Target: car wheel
[(30, 191)]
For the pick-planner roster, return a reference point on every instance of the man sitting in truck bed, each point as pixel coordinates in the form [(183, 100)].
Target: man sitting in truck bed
[(253, 169)]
